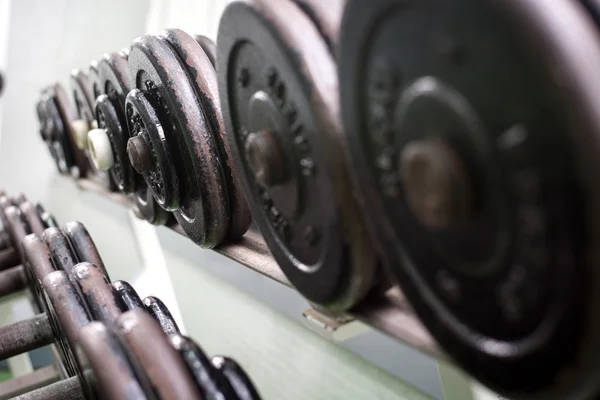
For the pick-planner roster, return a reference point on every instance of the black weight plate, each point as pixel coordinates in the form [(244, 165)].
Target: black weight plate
[(278, 81), (161, 313), (127, 297), (203, 203), (210, 381), (508, 290), (94, 79), (147, 205), (115, 83), (54, 133), (205, 84), (237, 377), (209, 48), (45, 216), (64, 131), (158, 170), (84, 100), (83, 97)]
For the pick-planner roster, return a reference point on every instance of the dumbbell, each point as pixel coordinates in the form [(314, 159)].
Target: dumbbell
[(83, 99), (178, 142), (471, 128), (280, 107), (108, 143), (58, 130)]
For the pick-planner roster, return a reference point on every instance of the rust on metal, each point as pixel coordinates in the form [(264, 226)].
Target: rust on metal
[(24, 336), (96, 291), (30, 214), (115, 378), (83, 244), (160, 362), (67, 389), (12, 280), (60, 249)]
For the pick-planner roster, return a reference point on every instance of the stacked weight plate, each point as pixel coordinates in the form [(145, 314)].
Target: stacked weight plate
[(111, 344), (446, 147)]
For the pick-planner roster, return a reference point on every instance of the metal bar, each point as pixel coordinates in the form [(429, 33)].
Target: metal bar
[(24, 336), (9, 258), (12, 281), (388, 313), (67, 389), (23, 384)]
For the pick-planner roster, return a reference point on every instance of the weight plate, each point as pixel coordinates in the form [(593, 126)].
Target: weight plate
[(62, 253), (127, 297), (209, 48), (94, 79), (54, 133), (67, 316), (327, 16), (241, 383), (63, 116), (160, 362), (161, 313), (38, 264), (96, 292), (110, 112), (213, 384), (476, 160), (280, 108), (112, 370), (47, 218), (17, 226), (84, 99), (202, 203), (148, 207), (29, 212), (205, 84), (83, 245)]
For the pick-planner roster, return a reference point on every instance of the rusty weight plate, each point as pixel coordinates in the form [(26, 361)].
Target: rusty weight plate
[(206, 86), (280, 106), (477, 166), (83, 245), (200, 203), (160, 363), (327, 16), (69, 316), (112, 370), (209, 48), (96, 292)]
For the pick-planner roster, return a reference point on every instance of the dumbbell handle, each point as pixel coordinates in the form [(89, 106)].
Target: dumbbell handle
[(67, 389), (24, 336), (12, 281)]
